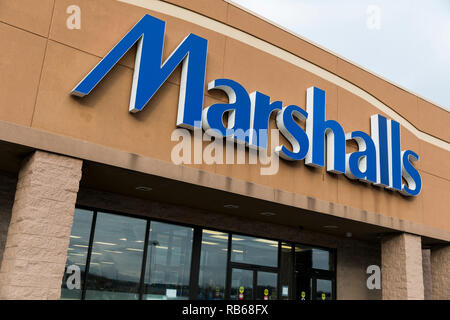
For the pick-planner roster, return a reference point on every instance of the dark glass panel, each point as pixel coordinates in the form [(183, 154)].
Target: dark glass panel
[(213, 265), (168, 262), (72, 282), (256, 251), (286, 271), (241, 284), (266, 286), (307, 257), (116, 260), (324, 289)]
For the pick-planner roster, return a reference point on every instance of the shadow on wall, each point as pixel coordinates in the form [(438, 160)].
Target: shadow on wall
[(8, 184)]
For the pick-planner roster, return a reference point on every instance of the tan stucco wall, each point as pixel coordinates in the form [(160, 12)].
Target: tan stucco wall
[(351, 278), (44, 61)]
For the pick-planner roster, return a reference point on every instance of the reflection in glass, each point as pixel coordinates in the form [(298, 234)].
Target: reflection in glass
[(324, 289), (286, 270), (252, 250), (266, 286), (304, 287), (168, 262), (321, 259), (241, 284), (76, 255), (116, 260), (213, 265), (307, 257)]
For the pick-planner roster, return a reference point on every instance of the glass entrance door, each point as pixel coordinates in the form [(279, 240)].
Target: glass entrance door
[(253, 284), (266, 285), (304, 285), (312, 287), (241, 287), (323, 289)]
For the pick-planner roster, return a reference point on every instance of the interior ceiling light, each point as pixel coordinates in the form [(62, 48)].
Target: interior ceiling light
[(231, 206), (267, 241), (105, 243), (210, 243), (267, 213), (144, 188), (213, 232)]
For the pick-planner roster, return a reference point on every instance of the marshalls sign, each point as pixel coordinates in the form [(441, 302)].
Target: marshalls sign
[(379, 159)]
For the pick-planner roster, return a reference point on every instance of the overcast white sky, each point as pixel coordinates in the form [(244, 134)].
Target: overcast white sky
[(405, 41)]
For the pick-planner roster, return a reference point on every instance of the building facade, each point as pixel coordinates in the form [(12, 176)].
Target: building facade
[(116, 182)]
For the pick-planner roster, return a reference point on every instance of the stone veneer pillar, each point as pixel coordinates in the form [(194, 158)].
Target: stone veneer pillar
[(39, 231), (440, 273), (401, 267), (426, 266)]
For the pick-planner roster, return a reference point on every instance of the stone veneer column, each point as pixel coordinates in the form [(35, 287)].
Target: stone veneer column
[(401, 267), (440, 272), (39, 232), (426, 266)]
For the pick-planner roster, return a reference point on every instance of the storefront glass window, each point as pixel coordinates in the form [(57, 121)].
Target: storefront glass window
[(116, 258), (256, 251), (324, 289), (266, 286), (321, 259), (213, 265), (122, 257), (241, 284), (308, 257), (286, 271), (168, 262), (72, 283)]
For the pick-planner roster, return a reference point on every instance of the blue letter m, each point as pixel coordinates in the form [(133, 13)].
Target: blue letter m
[(149, 74)]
